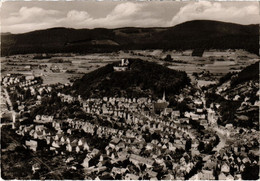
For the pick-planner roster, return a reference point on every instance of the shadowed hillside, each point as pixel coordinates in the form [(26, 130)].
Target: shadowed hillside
[(141, 79), (239, 101), (249, 73), (188, 35)]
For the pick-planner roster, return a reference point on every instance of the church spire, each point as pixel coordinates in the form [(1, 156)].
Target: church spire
[(163, 96)]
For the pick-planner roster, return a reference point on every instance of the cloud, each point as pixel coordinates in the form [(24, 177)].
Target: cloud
[(124, 14), (125, 10), (29, 19), (129, 14), (30, 15), (216, 11), (77, 16)]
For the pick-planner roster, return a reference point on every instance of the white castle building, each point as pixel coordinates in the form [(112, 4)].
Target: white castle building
[(123, 66)]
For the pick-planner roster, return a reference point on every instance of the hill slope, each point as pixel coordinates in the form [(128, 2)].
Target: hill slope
[(239, 101), (249, 73), (142, 79), (189, 35)]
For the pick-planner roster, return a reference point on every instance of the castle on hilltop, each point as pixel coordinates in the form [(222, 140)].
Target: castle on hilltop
[(123, 66)]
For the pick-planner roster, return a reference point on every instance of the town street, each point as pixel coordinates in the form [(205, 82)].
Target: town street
[(213, 128), (222, 138), (9, 102), (8, 99)]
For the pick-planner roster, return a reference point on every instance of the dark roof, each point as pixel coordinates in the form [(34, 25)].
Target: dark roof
[(146, 109), (161, 105), (106, 177)]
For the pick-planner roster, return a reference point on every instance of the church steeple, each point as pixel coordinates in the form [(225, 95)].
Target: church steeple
[(163, 96)]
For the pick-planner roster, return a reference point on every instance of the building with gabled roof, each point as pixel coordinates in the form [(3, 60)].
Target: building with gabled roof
[(138, 159)]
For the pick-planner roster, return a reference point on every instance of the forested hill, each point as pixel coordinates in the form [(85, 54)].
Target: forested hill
[(143, 78), (238, 98), (249, 73), (189, 35)]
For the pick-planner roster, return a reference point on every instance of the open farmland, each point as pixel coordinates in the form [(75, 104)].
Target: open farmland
[(61, 69)]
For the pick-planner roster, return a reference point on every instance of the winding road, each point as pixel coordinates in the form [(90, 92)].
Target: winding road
[(222, 137), (217, 130)]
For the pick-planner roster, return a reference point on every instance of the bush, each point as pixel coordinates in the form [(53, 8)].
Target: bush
[(168, 58)]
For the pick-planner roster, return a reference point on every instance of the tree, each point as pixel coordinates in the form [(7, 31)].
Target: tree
[(195, 74), (126, 163), (251, 172), (168, 58), (188, 145), (143, 167), (156, 136), (216, 141), (201, 146), (15, 106), (118, 177), (28, 94), (208, 148), (183, 107)]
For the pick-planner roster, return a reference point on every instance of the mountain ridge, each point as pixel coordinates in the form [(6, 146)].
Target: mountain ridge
[(189, 35)]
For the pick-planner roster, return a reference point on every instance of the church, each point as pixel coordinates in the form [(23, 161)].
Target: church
[(160, 105)]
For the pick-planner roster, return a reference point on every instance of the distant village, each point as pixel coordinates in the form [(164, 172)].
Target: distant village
[(132, 138)]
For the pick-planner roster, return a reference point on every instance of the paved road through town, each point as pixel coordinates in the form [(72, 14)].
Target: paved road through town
[(217, 130), (9, 102), (222, 137)]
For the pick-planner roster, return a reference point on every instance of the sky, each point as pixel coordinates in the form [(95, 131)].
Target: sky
[(25, 16)]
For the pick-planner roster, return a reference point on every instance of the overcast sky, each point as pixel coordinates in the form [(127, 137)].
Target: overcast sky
[(20, 17)]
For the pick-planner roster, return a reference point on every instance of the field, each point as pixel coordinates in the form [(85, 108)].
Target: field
[(62, 69)]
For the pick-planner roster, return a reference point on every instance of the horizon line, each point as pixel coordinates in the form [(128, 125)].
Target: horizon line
[(63, 27)]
